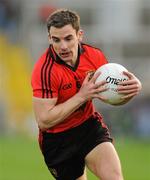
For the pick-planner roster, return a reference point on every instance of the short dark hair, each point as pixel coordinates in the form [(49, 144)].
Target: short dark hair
[(62, 17)]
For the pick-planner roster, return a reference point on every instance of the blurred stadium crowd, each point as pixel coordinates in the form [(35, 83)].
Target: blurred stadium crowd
[(121, 28)]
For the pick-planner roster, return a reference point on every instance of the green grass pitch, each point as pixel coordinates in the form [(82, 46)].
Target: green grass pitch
[(21, 159)]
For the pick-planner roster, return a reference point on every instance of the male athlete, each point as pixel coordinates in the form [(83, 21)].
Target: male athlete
[(71, 134)]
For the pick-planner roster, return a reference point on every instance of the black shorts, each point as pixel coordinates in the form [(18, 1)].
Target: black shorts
[(65, 152)]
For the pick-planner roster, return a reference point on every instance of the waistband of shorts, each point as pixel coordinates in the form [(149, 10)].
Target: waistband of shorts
[(96, 116)]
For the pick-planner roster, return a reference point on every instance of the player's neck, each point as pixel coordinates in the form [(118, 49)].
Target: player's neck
[(72, 61)]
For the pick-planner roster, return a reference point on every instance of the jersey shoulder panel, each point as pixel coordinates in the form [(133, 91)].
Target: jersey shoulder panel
[(45, 80), (95, 54)]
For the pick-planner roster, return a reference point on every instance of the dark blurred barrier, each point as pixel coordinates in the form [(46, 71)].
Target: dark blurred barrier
[(132, 119)]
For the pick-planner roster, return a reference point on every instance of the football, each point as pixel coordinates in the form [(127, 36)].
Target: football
[(113, 74)]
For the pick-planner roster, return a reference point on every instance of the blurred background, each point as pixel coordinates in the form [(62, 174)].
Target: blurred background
[(121, 29)]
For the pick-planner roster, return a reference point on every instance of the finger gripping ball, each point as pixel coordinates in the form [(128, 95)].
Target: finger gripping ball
[(113, 74)]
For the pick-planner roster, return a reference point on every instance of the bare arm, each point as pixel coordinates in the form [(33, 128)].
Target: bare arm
[(48, 114)]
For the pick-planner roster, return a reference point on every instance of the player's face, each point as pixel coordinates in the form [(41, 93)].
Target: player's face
[(65, 42)]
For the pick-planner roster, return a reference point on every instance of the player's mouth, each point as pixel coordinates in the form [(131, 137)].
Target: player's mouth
[(65, 54)]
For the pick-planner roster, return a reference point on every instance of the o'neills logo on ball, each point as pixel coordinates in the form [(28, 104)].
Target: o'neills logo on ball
[(113, 80)]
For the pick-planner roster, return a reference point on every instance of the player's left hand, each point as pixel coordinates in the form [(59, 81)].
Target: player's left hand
[(130, 87)]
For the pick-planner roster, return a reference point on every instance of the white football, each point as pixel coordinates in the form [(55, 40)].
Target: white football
[(113, 74)]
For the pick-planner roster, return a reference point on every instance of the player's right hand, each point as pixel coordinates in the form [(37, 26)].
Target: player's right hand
[(90, 89)]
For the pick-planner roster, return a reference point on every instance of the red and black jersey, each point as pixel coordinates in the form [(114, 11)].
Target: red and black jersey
[(52, 77)]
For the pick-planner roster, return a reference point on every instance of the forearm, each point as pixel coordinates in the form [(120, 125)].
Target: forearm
[(60, 112)]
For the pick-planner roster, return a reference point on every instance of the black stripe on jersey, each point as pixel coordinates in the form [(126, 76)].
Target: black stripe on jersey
[(42, 73), (45, 73), (49, 77)]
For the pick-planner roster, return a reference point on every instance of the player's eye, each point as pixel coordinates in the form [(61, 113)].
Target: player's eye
[(69, 38), (56, 40)]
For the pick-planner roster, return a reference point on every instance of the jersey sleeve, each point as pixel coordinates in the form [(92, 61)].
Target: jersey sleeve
[(45, 83)]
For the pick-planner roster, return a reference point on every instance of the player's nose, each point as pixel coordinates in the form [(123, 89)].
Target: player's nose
[(63, 45)]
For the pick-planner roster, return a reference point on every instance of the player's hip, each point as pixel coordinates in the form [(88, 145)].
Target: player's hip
[(58, 147)]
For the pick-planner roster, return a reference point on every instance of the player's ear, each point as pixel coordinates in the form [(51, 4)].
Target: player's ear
[(80, 35)]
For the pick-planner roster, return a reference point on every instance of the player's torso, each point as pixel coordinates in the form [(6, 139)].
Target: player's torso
[(64, 81), (71, 79)]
